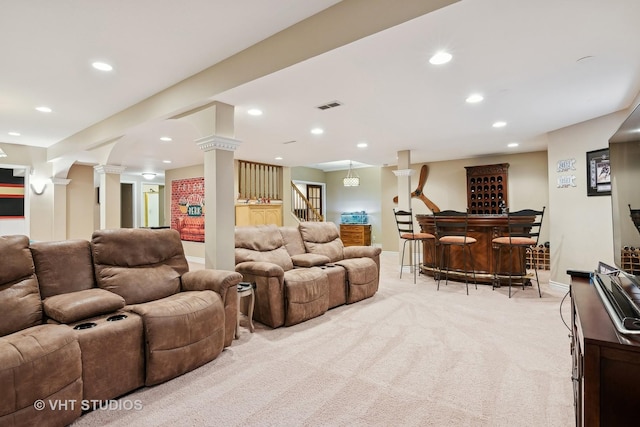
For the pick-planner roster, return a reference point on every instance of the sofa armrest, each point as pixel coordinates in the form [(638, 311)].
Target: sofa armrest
[(210, 279), (260, 268), (224, 283), (361, 251), (269, 291)]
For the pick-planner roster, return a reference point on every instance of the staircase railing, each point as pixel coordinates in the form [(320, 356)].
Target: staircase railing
[(302, 208)]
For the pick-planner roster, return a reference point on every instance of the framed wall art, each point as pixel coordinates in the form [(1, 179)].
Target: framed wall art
[(187, 208), (598, 173), (11, 194)]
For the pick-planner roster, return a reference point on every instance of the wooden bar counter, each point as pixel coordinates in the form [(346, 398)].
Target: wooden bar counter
[(484, 228)]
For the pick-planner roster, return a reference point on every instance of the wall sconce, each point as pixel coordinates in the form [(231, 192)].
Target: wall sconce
[(38, 186), (148, 175)]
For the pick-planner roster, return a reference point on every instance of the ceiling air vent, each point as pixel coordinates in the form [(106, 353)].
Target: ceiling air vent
[(328, 105)]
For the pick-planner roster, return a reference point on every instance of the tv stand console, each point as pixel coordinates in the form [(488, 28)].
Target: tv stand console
[(606, 364)]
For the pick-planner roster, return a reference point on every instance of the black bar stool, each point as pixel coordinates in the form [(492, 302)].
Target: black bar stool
[(404, 221), (451, 230), (523, 229)]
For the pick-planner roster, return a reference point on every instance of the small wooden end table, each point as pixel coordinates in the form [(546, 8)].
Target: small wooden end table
[(245, 289)]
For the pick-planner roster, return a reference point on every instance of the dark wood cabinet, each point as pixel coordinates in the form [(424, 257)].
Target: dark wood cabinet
[(487, 188), (606, 364), (355, 234)]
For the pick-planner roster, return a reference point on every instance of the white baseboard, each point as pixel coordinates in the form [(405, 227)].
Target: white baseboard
[(562, 287), (195, 260)]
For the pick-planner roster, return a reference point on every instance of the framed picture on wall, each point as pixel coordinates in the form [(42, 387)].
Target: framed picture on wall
[(598, 173), (188, 208)]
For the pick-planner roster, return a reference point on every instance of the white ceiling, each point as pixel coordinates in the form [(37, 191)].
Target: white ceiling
[(540, 65)]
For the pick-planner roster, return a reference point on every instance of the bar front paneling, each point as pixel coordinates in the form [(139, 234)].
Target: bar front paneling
[(484, 228)]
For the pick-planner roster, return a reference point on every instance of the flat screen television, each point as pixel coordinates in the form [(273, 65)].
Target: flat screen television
[(620, 290), (624, 155)]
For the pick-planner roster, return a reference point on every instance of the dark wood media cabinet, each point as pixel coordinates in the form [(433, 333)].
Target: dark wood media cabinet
[(606, 364)]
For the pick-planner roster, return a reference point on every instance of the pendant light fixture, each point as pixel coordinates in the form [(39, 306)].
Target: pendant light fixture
[(352, 179)]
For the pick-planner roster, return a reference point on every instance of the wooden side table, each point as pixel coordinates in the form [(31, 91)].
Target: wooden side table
[(245, 289), (355, 234)]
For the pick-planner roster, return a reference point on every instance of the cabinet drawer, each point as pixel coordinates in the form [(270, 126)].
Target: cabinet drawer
[(355, 234)]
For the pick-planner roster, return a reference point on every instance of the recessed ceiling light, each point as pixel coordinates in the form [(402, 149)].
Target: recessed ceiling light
[(43, 109), (317, 131), (166, 138), (14, 133), (474, 98), (440, 58), (166, 161), (278, 158), (499, 124), (362, 145), (512, 144), (254, 112), (102, 66)]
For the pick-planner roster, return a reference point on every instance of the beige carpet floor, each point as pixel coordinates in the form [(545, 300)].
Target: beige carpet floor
[(409, 356)]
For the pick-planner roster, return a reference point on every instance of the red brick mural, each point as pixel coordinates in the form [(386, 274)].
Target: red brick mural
[(187, 208)]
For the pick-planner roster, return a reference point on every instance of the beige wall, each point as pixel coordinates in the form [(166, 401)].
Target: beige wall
[(38, 208), (365, 197), (581, 226), (191, 249), (82, 207), (308, 174)]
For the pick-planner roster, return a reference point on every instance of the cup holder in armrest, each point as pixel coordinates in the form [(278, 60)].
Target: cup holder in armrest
[(116, 317), (243, 286), (87, 325)]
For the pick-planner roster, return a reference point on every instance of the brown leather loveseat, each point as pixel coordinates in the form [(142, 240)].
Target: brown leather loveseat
[(301, 272), (114, 314)]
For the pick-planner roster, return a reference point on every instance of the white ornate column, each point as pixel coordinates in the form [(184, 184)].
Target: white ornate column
[(403, 173), (219, 220), (60, 208), (109, 195), (404, 187)]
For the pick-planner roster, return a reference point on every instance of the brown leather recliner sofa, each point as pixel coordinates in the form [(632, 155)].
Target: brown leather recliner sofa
[(301, 272), (112, 315)]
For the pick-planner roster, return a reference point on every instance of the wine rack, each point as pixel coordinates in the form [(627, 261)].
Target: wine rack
[(487, 189), (538, 257), (631, 260)]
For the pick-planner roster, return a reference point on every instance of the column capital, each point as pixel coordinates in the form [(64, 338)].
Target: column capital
[(215, 142), (102, 169), (404, 172), (60, 181)]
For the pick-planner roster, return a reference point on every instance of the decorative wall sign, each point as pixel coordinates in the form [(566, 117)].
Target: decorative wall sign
[(187, 208), (11, 194), (598, 173), (566, 165), (566, 181)]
